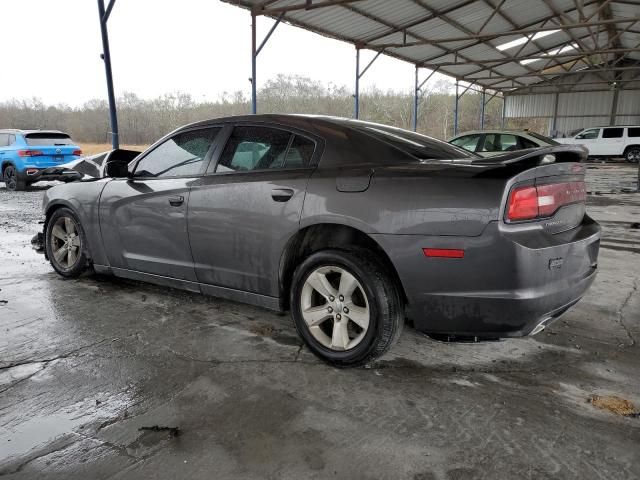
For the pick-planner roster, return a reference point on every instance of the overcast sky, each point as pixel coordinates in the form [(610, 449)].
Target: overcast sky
[(202, 47)]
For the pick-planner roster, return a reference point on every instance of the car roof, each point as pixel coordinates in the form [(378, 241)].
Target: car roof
[(307, 122), (26, 132), (477, 132), (611, 126)]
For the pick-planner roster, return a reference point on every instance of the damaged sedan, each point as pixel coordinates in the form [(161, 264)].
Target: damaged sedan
[(351, 226)]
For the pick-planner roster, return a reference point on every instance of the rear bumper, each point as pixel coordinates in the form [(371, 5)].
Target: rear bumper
[(506, 285), (33, 174)]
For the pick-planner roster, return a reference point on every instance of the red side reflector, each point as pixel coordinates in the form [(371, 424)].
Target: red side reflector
[(77, 152), (443, 252)]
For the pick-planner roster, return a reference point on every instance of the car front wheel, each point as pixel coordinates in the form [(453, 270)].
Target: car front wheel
[(65, 243), (11, 179), (346, 307)]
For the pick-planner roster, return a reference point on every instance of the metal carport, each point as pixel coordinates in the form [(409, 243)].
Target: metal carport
[(529, 52)]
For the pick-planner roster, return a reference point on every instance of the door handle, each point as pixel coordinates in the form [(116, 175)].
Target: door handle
[(176, 201), (281, 194)]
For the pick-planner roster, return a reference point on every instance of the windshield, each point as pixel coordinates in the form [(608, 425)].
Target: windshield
[(415, 144), (47, 138)]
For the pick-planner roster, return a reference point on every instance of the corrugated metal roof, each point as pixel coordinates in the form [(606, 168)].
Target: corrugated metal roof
[(466, 38)]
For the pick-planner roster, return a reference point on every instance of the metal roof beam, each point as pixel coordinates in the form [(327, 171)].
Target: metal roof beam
[(491, 36), (307, 5), (414, 35)]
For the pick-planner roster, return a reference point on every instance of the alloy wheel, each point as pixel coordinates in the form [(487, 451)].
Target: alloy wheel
[(65, 242), (633, 155), (335, 308), (10, 178)]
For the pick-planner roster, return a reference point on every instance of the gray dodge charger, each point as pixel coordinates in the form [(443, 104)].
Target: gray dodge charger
[(352, 226)]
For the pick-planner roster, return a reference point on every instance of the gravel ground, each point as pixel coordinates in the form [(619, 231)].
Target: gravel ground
[(92, 369)]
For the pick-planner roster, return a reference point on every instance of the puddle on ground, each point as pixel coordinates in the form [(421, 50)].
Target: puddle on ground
[(41, 430), (37, 431)]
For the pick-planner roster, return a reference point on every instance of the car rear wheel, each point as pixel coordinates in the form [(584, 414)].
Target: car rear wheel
[(65, 243), (632, 154), (11, 179), (346, 307)]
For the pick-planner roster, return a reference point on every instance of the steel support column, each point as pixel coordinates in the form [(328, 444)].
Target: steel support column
[(359, 74), (106, 57), (416, 93), (504, 108), (455, 112), (254, 55), (554, 121), (482, 105), (614, 105), (356, 96), (255, 51)]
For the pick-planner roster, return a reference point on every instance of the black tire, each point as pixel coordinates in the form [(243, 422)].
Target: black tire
[(632, 154), (53, 243), (386, 311), (12, 180)]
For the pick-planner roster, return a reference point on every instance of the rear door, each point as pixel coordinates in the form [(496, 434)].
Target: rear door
[(612, 142), (143, 219), (248, 205)]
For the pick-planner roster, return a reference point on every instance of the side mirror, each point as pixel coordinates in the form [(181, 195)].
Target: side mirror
[(117, 169)]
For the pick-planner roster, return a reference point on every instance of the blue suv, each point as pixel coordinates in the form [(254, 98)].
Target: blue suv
[(25, 153)]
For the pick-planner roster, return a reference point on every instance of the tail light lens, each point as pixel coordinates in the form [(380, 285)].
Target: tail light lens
[(30, 153), (77, 152), (531, 202)]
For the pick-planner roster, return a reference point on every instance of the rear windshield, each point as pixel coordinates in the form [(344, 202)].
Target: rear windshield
[(40, 139), (550, 141), (420, 146)]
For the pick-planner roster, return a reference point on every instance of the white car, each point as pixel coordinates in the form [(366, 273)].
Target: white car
[(488, 143), (621, 141)]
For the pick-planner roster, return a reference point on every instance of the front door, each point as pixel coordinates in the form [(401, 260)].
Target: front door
[(590, 139), (143, 219), (242, 213)]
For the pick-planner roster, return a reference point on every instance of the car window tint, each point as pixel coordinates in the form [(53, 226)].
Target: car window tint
[(508, 143), (634, 132), (490, 143), (468, 142), (254, 148), (181, 155), (526, 143), (48, 138), (299, 153), (12, 139), (589, 134), (4, 139), (612, 132)]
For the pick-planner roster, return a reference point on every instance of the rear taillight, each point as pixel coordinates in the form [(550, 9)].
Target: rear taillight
[(531, 202), (30, 153), (77, 152)]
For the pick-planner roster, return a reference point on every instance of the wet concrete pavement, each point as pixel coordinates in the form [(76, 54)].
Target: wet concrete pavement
[(85, 364)]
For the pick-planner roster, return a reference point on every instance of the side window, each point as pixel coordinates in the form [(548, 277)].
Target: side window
[(299, 153), (254, 148), (526, 143), (612, 132), (182, 155), (490, 143), (4, 139), (468, 142), (589, 134), (634, 132), (508, 143)]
